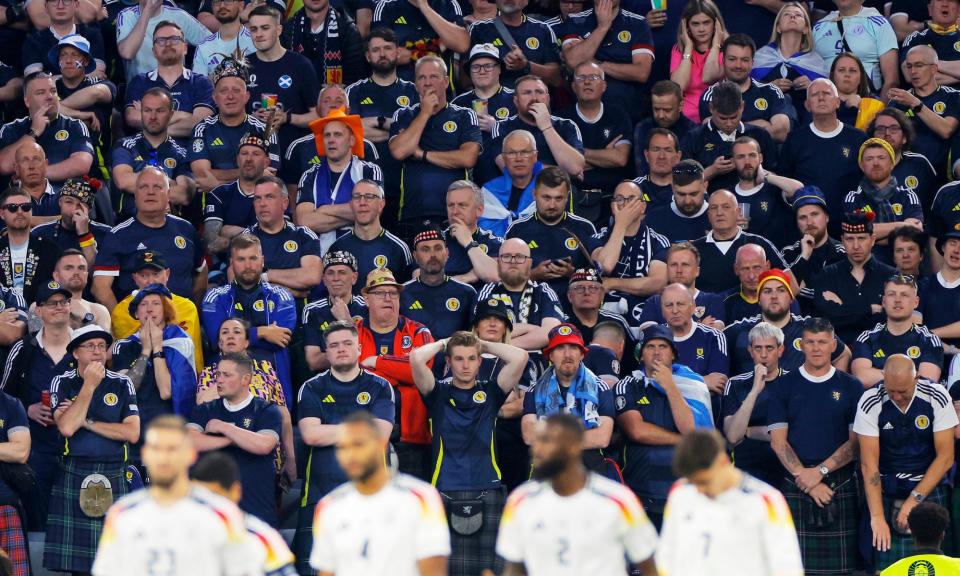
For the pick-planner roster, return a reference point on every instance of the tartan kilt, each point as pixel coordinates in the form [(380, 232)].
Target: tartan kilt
[(12, 540), (901, 545), (831, 549), (72, 536), (470, 555), (303, 539)]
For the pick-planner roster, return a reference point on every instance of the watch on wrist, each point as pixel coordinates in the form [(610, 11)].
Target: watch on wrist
[(916, 495), (381, 120), (31, 133), (88, 424), (916, 109), (156, 355), (823, 470), (471, 245)]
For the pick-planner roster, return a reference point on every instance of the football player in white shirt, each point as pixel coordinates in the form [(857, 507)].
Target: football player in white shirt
[(569, 521), (173, 527), (378, 523), (720, 520), (218, 472)]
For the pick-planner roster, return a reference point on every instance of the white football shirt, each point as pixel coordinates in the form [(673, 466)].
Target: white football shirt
[(593, 531), (201, 535), (383, 533), (273, 553), (746, 531)]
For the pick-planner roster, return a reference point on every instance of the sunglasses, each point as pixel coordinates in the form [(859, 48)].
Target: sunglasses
[(24, 207)]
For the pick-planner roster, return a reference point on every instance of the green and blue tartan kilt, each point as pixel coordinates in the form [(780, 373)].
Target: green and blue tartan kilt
[(72, 536), (901, 545), (832, 548), (471, 555)]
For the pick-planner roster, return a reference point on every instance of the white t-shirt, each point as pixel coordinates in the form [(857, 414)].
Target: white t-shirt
[(201, 535), (746, 531), (591, 532), (18, 260), (383, 533)]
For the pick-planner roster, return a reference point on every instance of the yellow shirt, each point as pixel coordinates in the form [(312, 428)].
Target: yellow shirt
[(924, 565), (125, 325)]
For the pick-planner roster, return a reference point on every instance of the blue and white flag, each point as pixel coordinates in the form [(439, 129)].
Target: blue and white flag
[(808, 64), (694, 390)]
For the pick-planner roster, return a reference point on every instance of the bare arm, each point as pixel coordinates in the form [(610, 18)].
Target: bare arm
[(17, 448), (567, 157), (126, 431), (513, 569), (183, 123), (87, 97), (653, 283), (904, 27), (161, 373), (599, 437), (11, 90), (735, 427), (930, 371), (303, 278), (433, 566), (531, 336), (323, 219), (103, 291), (642, 432), (870, 467), (422, 374), (316, 359), (843, 455), (638, 70), (783, 450), (10, 332), (71, 418), (615, 156), (206, 442), (943, 442), (890, 70), (406, 143), (261, 443), (464, 157), (451, 35), (76, 165), (864, 371), (515, 359)]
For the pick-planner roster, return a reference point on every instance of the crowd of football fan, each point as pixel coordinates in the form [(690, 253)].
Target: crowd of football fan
[(759, 193)]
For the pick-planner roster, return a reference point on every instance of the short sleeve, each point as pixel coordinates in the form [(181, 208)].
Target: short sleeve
[(433, 536), (510, 538), (944, 414), (861, 348), (308, 405), (624, 393), (200, 416), (383, 406), (868, 412), (122, 156), (17, 416), (269, 421), (202, 93), (606, 403), (135, 89), (130, 402), (731, 401), (530, 402), (214, 207), (777, 407), (886, 39)]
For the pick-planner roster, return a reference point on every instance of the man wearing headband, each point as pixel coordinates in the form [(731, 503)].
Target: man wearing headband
[(685, 217), (229, 207), (777, 304), (440, 303), (192, 92), (900, 334), (933, 108), (849, 292), (339, 277), (291, 254), (213, 151), (816, 249), (912, 169), (95, 410), (893, 204), (75, 228), (824, 152)]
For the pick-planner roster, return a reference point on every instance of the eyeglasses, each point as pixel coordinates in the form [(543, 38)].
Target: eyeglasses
[(366, 197), (892, 129), (384, 294), (588, 77), (65, 303), (591, 289), (61, 2), (484, 67), (24, 207), (519, 153), (513, 258), (622, 200), (94, 347), (168, 40)]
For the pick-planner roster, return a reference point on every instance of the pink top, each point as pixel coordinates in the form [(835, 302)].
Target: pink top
[(696, 87)]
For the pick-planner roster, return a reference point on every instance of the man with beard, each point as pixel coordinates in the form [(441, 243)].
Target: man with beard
[(353, 389), (283, 73), (154, 518), (463, 411), (326, 189), (764, 104), (152, 146), (339, 276), (879, 193), (569, 387), (269, 309), (373, 246), (72, 272), (326, 37), (911, 169), (66, 141), (401, 519), (683, 267), (718, 249), (535, 306), (26, 262), (763, 195), (631, 252), (525, 45), (815, 250), (561, 241), (776, 300), (900, 334), (213, 152), (558, 139), (75, 229), (229, 208), (661, 152), (192, 93), (29, 170), (440, 303), (437, 142), (934, 109), (685, 217), (667, 104), (231, 37), (565, 494)]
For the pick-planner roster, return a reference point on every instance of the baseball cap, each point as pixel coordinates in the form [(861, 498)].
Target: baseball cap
[(564, 334), (48, 290)]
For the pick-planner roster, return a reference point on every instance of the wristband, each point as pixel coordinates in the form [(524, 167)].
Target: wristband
[(548, 128), (87, 240), (33, 134), (156, 355)]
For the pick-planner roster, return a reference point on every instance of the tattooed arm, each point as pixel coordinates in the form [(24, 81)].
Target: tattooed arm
[(135, 373), (870, 466), (783, 450)]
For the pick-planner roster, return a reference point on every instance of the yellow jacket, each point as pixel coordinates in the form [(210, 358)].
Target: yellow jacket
[(125, 325)]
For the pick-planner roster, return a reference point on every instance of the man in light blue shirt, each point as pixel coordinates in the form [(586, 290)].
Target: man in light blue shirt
[(135, 26)]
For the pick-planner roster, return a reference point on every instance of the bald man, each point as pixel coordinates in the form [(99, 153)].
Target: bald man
[(30, 168), (719, 247), (535, 306), (702, 348), (905, 428), (750, 262)]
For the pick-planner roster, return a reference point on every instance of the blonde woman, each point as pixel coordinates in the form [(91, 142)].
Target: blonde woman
[(696, 61), (789, 61)]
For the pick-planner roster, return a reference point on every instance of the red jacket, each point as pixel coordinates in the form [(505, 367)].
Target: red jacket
[(408, 335)]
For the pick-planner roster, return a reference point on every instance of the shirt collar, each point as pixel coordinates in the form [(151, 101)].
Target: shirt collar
[(806, 375), (734, 239), (237, 407), (155, 73), (726, 137), (700, 212)]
